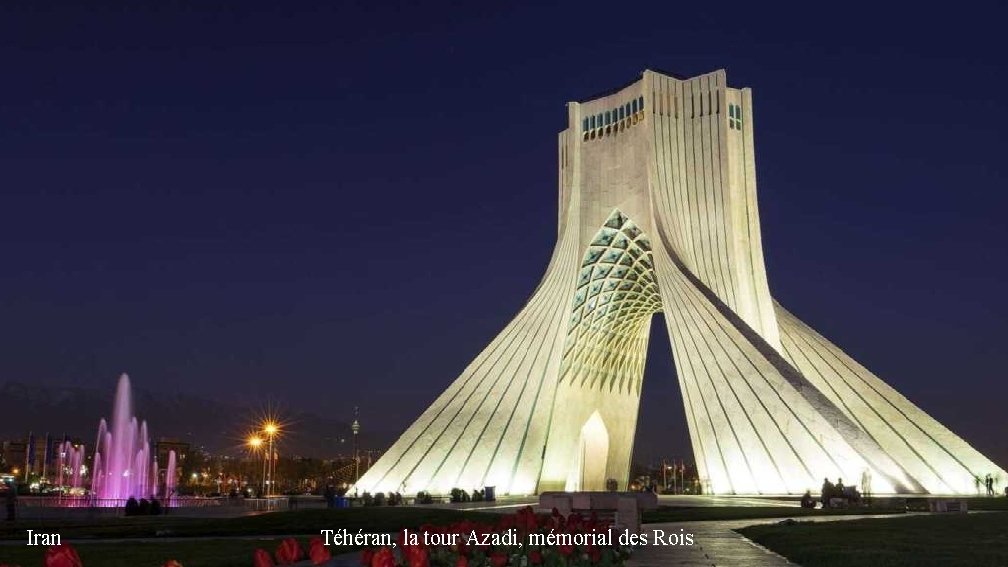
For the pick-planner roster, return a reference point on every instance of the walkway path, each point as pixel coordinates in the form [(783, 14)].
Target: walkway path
[(715, 543)]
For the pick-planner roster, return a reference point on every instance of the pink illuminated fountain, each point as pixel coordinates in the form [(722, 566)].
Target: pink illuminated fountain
[(70, 466), (123, 464)]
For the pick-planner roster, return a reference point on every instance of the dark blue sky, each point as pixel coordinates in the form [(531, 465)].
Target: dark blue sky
[(337, 205)]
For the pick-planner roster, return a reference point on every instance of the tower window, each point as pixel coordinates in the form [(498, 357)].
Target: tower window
[(640, 103), (633, 107), (621, 114), (608, 118), (584, 125), (734, 117)]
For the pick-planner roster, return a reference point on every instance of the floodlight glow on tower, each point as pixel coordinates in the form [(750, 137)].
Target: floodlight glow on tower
[(658, 213)]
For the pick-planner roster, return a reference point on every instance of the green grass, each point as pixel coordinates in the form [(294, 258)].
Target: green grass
[(952, 540), (666, 514), (983, 503), (308, 522), (883, 506), (201, 553)]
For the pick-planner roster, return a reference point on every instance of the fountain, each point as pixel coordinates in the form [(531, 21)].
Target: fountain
[(123, 464), (70, 465)]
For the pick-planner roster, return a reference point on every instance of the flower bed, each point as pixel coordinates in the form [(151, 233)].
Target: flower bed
[(523, 539)]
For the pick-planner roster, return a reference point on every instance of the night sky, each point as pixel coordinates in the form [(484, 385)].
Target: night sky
[(332, 205)]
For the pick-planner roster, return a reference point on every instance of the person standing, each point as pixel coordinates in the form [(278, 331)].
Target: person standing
[(827, 492), (11, 499), (330, 496)]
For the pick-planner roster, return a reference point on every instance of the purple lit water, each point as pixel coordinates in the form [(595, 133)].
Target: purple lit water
[(70, 461), (123, 464)]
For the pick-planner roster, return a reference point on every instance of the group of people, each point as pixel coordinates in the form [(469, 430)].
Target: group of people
[(143, 507), (829, 492), (989, 485)]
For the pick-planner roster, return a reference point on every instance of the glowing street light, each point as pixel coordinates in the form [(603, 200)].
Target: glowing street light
[(272, 430), (254, 443)]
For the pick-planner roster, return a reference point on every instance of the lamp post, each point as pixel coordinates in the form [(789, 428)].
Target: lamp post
[(271, 429), (664, 475), (255, 443), (355, 427)]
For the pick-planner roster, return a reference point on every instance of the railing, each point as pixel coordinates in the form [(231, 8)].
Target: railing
[(91, 502), (269, 504)]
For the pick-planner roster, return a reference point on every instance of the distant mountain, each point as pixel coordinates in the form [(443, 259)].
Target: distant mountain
[(217, 426)]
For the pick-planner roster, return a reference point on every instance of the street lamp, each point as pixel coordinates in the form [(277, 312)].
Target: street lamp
[(271, 429), (255, 444)]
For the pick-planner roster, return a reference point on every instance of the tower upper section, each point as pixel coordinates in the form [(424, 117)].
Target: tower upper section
[(676, 155)]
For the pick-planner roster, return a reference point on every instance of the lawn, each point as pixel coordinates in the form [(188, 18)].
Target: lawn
[(665, 514), (212, 552), (883, 506), (307, 522), (946, 540), (199, 553)]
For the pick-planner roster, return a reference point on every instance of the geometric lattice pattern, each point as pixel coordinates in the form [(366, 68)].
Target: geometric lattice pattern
[(615, 298)]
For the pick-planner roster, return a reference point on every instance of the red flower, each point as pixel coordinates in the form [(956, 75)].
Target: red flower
[(262, 558), (172, 563), (416, 556), (366, 555), (289, 551), (506, 522), (565, 550), (595, 554), (384, 558), (498, 559), (62, 556), (530, 522), (462, 561), (318, 552), (535, 558)]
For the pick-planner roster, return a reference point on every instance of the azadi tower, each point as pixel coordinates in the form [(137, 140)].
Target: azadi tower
[(658, 213)]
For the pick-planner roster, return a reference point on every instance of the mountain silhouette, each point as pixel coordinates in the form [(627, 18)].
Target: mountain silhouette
[(218, 427)]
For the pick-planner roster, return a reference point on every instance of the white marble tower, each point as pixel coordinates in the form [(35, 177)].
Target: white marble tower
[(658, 213)]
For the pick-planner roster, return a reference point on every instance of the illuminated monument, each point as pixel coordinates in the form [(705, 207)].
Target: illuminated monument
[(658, 213)]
